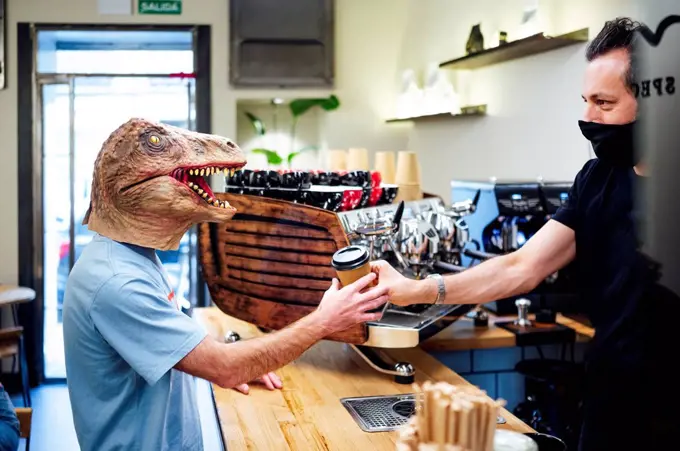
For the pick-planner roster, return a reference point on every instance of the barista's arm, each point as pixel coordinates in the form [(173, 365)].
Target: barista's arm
[(550, 249)]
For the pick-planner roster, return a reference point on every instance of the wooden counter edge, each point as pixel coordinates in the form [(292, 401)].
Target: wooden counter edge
[(464, 336), (427, 367)]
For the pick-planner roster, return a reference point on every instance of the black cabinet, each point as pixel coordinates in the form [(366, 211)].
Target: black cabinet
[(281, 43)]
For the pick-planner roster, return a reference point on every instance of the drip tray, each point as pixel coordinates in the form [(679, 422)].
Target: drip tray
[(383, 413)]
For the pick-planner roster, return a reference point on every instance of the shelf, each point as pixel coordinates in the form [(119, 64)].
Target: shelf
[(466, 111), (532, 45)]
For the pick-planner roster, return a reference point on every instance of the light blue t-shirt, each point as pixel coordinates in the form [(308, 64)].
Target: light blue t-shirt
[(123, 334)]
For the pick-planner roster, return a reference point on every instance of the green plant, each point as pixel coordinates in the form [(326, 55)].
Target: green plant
[(298, 108)]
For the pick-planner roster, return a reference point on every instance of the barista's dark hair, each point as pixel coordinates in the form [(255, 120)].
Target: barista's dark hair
[(616, 34)]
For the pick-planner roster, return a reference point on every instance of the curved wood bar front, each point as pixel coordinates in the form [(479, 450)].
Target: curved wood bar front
[(271, 263)]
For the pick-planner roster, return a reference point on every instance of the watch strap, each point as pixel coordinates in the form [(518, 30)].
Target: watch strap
[(441, 288)]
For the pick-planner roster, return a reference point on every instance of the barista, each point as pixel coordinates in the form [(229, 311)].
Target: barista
[(630, 390)]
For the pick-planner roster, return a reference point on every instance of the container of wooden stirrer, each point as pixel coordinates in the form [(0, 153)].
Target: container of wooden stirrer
[(450, 418)]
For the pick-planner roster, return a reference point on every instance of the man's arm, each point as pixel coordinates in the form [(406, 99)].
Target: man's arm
[(550, 249), (230, 365)]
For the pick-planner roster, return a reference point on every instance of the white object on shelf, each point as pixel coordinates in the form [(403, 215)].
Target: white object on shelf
[(439, 95), (410, 100)]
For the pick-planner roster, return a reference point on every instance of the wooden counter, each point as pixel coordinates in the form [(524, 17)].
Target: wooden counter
[(307, 414), (463, 335)]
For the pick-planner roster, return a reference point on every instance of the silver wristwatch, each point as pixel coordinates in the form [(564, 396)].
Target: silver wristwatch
[(441, 288)]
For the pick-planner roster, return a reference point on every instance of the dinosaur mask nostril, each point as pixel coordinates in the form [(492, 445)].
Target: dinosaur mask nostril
[(231, 145)]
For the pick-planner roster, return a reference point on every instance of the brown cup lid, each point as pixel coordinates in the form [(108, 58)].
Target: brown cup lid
[(350, 257)]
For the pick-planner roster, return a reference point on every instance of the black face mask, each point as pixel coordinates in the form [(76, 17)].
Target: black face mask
[(613, 144)]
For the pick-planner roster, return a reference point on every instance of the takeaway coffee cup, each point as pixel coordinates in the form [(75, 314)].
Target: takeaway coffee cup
[(351, 264)]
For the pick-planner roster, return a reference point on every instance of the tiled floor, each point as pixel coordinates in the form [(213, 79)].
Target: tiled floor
[(52, 427)]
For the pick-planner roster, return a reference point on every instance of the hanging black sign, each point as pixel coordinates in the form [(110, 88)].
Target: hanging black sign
[(2, 44), (657, 66)]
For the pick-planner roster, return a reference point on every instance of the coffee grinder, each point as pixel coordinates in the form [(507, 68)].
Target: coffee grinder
[(521, 213)]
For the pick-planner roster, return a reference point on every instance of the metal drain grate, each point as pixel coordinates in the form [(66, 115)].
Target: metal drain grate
[(383, 413), (380, 413)]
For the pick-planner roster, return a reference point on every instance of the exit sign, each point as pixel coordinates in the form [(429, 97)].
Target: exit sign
[(160, 7)]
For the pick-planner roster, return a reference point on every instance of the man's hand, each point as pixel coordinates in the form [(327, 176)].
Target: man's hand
[(342, 308), (269, 380), (400, 290)]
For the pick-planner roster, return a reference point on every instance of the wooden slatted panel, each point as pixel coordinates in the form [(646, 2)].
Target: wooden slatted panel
[(281, 230), (266, 254), (273, 280), (270, 265), (275, 294), (293, 270), (274, 315), (280, 243)]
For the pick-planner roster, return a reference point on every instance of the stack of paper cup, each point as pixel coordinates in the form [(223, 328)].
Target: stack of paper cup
[(337, 160), (408, 176), (384, 164), (357, 159)]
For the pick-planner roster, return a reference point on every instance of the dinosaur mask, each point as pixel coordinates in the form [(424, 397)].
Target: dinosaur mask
[(148, 187)]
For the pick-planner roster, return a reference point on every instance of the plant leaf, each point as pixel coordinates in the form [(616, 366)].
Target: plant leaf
[(298, 107), (292, 155), (257, 123), (272, 157)]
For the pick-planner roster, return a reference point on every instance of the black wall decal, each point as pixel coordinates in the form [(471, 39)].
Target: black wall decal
[(655, 38)]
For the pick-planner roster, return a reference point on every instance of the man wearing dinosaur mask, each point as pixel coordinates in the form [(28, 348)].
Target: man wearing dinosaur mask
[(131, 354)]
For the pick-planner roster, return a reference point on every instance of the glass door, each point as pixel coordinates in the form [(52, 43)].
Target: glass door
[(78, 114), (56, 113)]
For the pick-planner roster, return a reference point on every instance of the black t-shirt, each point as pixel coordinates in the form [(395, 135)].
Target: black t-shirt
[(616, 280), (629, 368)]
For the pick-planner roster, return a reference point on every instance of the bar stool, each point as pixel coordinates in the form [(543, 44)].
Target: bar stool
[(25, 416), (12, 338)]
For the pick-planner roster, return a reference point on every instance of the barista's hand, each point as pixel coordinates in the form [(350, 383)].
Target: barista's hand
[(342, 308), (401, 290), (269, 380)]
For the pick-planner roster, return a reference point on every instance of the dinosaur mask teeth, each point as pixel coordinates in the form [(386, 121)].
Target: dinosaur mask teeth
[(193, 178)]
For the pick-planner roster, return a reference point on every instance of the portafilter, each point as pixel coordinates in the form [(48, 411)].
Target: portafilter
[(452, 229), (419, 244), (381, 230), (453, 233)]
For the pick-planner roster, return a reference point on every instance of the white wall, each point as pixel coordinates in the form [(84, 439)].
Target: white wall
[(366, 56), (533, 103)]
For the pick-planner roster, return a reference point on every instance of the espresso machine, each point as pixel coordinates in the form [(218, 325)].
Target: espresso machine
[(417, 238)]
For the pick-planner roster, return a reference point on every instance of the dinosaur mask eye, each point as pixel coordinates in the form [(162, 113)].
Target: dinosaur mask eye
[(155, 142)]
